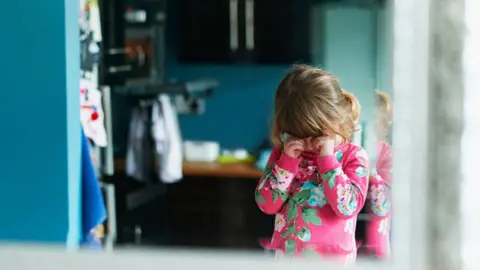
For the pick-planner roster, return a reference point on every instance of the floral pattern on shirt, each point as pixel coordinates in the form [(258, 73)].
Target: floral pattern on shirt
[(282, 179), (383, 227), (294, 209), (317, 197), (278, 181), (361, 172), (379, 202), (330, 176), (361, 155), (339, 155), (303, 197), (347, 202), (350, 226), (290, 247), (304, 234), (279, 222)]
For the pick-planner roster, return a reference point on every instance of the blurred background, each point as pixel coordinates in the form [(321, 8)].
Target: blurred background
[(218, 62)]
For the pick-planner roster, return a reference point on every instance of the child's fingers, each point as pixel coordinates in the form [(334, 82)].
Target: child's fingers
[(310, 141), (319, 141), (298, 144), (295, 144)]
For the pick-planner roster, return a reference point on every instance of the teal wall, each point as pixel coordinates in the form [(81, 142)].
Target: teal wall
[(40, 165), (384, 47), (240, 112)]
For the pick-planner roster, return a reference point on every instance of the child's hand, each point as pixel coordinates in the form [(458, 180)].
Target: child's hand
[(293, 148), (325, 146)]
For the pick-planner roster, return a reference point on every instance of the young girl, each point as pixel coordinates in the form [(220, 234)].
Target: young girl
[(377, 235), (316, 181)]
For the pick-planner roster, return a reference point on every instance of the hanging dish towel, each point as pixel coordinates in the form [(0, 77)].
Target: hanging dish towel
[(168, 140), (139, 151), (93, 205), (91, 113)]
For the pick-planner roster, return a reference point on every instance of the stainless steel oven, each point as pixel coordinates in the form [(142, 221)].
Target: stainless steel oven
[(133, 41)]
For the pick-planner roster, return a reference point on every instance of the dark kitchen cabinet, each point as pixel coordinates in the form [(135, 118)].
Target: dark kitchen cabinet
[(113, 66), (281, 31), (244, 31), (205, 30)]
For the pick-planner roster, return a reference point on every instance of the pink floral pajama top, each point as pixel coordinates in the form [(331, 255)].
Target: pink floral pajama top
[(316, 201), (377, 235)]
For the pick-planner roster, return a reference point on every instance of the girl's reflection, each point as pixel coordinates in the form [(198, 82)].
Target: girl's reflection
[(377, 241)]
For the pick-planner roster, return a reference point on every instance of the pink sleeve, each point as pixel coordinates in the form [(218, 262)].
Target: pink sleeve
[(346, 187), (379, 197), (274, 187)]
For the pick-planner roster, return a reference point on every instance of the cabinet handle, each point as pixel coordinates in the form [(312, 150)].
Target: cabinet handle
[(117, 69), (113, 51), (234, 25), (249, 24)]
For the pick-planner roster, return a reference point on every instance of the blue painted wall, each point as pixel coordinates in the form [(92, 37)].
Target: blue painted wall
[(240, 113), (384, 47), (40, 165)]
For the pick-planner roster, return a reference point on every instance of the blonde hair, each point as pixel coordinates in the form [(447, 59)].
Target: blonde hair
[(310, 103), (385, 111), (355, 105)]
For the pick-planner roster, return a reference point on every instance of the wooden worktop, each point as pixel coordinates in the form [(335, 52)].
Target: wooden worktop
[(213, 169)]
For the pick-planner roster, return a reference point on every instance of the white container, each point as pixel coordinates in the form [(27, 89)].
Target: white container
[(201, 151)]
